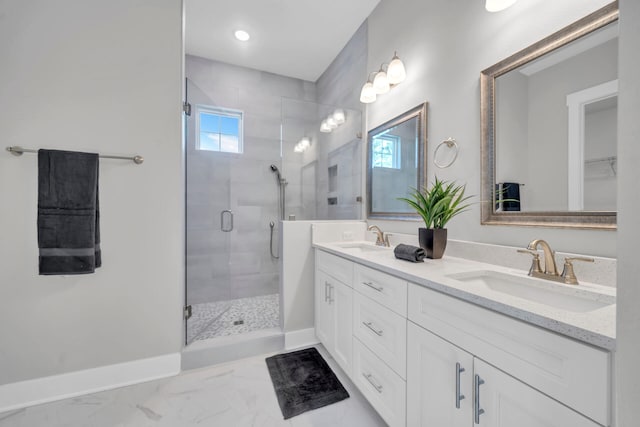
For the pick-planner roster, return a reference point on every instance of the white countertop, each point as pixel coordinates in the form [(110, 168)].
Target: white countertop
[(596, 327)]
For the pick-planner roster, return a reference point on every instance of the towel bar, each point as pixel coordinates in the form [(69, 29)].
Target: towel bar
[(18, 151)]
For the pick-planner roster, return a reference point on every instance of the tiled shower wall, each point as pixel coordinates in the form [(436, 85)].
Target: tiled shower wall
[(225, 266), (220, 265)]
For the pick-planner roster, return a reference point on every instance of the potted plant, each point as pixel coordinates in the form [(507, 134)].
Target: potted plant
[(437, 205)]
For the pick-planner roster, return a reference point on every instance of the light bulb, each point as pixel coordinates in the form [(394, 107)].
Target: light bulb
[(331, 122), (368, 94), (381, 83), (305, 143), (324, 127), (339, 117), (395, 71), (498, 5), (298, 148), (242, 35)]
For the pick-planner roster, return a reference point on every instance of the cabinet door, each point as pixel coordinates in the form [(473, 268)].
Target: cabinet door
[(439, 381), (341, 301), (323, 316), (504, 401)]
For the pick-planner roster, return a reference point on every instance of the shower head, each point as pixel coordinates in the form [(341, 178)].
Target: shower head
[(275, 169)]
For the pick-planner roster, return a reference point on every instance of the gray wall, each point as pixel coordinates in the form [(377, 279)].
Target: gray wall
[(340, 85), (238, 264), (628, 315), (512, 126), (443, 67), (103, 77), (548, 122)]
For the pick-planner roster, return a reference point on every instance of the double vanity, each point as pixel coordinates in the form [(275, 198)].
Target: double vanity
[(455, 342)]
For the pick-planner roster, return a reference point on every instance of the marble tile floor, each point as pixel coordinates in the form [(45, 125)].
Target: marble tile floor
[(234, 394), (216, 319)]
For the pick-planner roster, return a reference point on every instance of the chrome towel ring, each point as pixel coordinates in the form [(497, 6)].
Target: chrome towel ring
[(451, 144)]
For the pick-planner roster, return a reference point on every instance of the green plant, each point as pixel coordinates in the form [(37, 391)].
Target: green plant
[(439, 203)]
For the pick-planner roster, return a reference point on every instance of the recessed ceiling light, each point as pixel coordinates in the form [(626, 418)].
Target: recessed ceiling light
[(242, 35)]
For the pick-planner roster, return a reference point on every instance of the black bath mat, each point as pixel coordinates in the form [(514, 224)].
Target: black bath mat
[(303, 381)]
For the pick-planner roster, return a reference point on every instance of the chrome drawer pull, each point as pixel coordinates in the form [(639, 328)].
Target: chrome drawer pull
[(369, 378), (372, 286), (326, 292), (369, 325), (459, 396), (477, 411)]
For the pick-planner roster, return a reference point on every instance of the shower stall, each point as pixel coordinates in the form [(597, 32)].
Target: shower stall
[(245, 174)]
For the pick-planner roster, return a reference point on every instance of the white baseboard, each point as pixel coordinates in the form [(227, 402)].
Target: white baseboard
[(300, 338), (47, 389)]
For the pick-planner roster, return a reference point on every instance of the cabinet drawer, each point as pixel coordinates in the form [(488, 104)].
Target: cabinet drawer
[(574, 373), (387, 290), (382, 387), (382, 331), (335, 266)]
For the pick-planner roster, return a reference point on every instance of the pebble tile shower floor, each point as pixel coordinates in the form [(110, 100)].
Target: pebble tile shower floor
[(232, 317)]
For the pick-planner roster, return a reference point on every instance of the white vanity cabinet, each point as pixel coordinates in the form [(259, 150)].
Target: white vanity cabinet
[(439, 381), (447, 386), (334, 308), (521, 375), (424, 358)]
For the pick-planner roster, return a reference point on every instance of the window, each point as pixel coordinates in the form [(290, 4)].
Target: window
[(385, 151), (219, 129)]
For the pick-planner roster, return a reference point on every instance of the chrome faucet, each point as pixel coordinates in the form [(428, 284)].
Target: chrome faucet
[(381, 238), (550, 270)]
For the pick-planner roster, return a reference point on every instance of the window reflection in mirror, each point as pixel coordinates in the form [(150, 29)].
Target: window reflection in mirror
[(396, 163)]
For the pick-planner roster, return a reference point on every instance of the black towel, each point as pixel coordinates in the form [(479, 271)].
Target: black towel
[(409, 253), (68, 212), (511, 196)]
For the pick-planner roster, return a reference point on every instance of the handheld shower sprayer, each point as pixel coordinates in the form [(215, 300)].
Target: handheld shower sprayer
[(275, 169)]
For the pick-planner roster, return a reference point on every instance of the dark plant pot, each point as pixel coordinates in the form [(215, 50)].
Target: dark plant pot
[(433, 241)]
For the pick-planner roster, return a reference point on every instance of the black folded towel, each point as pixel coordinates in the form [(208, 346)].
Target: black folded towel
[(409, 253), (68, 212), (511, 196)]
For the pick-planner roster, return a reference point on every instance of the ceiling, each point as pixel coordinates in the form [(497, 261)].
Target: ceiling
[(295, 38)]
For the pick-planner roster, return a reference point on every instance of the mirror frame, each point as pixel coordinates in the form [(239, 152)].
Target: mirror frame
[(569, 219), (419, 112)]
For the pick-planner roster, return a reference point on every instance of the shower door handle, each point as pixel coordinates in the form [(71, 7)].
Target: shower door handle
[(222, 215)]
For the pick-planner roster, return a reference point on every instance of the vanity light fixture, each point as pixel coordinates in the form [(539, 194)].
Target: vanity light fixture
[(339, 117), (333, 120), (383, 81), (324, 126), (242, 35), (395, 71), (302, 145), (498, 5), (368, 93)]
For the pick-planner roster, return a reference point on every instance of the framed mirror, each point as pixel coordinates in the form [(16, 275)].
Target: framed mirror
[(396, 163), (549, 129)]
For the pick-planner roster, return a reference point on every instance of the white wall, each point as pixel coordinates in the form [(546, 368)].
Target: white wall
[(444, 46), (601, 135), (100, 76), (628, 320)]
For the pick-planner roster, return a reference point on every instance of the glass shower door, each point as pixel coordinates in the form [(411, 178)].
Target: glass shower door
[(209, 223)]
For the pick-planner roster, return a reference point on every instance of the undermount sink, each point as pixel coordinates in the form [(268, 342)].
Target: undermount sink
[(565, 297), (361, 247)]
